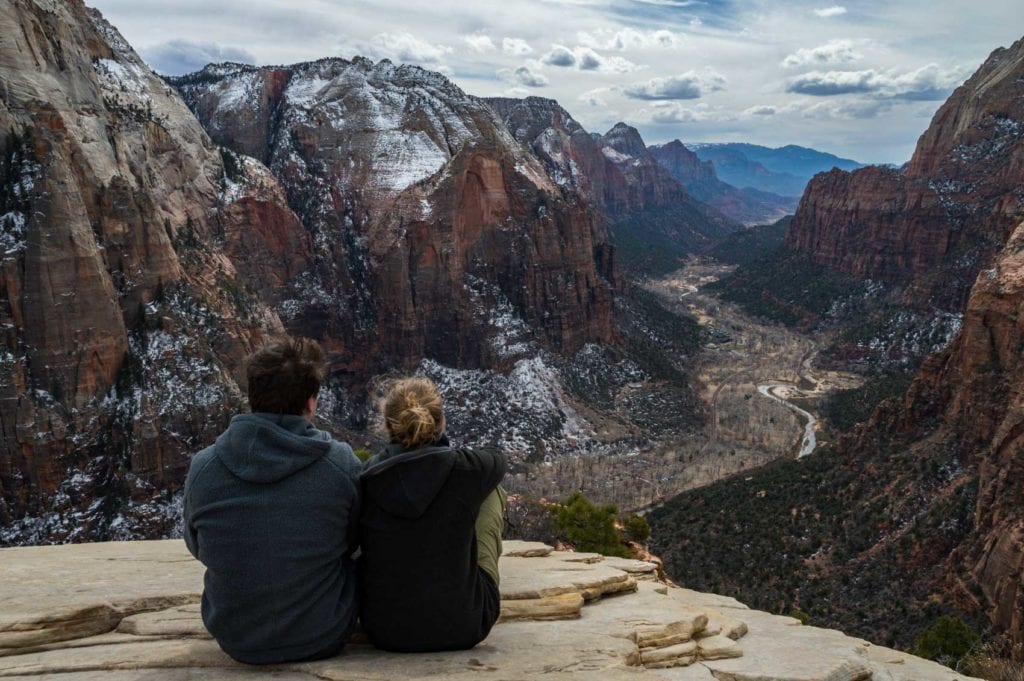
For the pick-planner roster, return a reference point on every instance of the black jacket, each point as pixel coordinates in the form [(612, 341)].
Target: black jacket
[(271, 510), (421, 587)]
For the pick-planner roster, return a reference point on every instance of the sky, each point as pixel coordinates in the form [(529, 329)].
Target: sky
[(858, 79)]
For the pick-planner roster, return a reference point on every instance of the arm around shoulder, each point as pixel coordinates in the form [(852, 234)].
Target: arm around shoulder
[(491, 463)]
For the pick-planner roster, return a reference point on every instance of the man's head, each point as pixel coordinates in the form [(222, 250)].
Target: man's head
[(285, 375)]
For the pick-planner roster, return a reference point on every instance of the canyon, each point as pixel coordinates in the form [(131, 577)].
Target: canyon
[(569, 292)]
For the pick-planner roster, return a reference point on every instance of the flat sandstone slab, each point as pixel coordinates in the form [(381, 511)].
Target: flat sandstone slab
[(144, 593)]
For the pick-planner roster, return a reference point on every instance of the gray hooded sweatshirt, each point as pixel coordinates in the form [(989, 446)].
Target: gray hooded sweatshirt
[(271, 510)]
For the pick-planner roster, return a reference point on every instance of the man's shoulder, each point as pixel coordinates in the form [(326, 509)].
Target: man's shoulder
[(341, 457)]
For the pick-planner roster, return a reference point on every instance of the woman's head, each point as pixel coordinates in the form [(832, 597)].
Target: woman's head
[(413, 412)]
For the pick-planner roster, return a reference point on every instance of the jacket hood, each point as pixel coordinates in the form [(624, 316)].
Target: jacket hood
[(266, 448), (404, 483)]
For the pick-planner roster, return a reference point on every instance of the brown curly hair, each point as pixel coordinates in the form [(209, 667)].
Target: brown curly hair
[(413, 412), (283, 374)]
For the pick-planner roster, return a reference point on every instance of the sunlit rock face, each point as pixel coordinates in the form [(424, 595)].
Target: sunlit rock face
[(935, 223), (426, 215)]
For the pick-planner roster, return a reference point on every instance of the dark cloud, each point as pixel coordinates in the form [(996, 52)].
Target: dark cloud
[(559, 56), (828, 83), (689, 85), (177, 57), (928, 83)]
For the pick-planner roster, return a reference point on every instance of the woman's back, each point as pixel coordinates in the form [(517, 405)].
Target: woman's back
[(421, 586)]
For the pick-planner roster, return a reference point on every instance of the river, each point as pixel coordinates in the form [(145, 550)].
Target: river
[(810, 440)]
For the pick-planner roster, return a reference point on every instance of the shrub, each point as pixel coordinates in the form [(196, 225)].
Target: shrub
[(588, 527), (363, 454), (636, 528), (948, 641), (798, 614)]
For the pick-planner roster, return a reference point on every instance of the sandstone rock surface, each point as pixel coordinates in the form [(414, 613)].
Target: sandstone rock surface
[(138, 602)]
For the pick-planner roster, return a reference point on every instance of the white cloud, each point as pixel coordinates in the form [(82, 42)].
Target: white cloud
[(832, 52), (834, 11), (516, 47), (926, 83), (674, 112), (405, 47), (854, 110), (479, 42), (584, 58), (690, 85), (761, 110), (629, 39), (595, 97), (523, 75)]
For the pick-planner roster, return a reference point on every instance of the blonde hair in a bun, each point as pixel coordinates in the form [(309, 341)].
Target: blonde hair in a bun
[(413, 412)]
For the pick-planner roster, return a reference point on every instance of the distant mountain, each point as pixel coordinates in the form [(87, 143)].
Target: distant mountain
[(653, 218), (785, 170), (749, 206)]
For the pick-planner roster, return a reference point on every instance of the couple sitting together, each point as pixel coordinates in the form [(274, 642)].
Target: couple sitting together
[(299, 538)]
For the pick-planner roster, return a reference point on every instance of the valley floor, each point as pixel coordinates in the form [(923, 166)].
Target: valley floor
[(753, 379)]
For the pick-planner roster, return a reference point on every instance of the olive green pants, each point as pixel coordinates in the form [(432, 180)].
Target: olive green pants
[(490, 521)]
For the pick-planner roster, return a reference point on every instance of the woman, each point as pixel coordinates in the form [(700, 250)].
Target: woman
[(431, 531)]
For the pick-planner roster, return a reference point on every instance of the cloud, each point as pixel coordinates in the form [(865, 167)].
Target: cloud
[(177, 57), (479, 42), (595, 97), (928, 83), (559, 56), (673, 112), (761, 110), (523, 76), (690, 85), (405, 47), (629, 39), (516, 46), (856, 110), (586, 59), (834, 11), (832, 52)]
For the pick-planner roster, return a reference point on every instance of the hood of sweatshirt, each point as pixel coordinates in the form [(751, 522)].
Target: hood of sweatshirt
[(404, 483), (264, 448)]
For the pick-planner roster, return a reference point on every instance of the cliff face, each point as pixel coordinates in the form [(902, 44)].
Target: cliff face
[(124, 312), (968, 400), (424, 212), (935, 224), (646, 208), (141, 263), (747, 205)]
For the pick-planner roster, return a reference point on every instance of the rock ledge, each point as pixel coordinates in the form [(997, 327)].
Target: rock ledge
[(130, 609)]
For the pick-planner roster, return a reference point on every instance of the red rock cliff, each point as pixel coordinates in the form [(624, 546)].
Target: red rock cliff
[(936, 223), (122, 281), (422, 208)]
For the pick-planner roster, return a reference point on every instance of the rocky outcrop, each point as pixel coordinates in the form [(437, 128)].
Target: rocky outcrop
[(125, 314), (120, 621), (933, 225), (967, 401), (424, 212), (749, 206), (645, 206)]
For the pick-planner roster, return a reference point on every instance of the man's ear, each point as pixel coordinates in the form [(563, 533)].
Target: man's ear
[(310, 410)]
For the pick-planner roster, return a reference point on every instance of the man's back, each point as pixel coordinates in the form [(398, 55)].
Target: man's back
[(271, 511)]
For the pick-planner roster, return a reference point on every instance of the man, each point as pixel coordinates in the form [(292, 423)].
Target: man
[(271, 510)]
